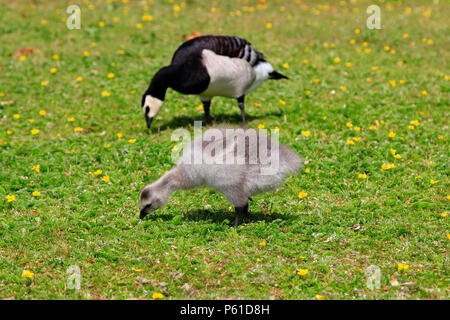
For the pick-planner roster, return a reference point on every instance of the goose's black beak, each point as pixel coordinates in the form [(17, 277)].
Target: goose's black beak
[(149, 121)]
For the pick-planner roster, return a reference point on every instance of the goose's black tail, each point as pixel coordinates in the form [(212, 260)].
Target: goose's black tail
[(276, 75)]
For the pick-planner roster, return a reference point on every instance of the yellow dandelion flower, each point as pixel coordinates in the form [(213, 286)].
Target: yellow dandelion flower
[(11, 198), (350, 142), (157, 295), (36, 193), (319, 297), (34, 131), (16, 116), (444, 214), (119, 135), (98, 172), (286, 66), (392, 134), (53, 70), (261, 126), (132, 141), (105, 93), (27, 274), (42, 112), (433, 181), (139, 25), (106, 179), (78, 129), (305, 133), (36, 168), (79, 78), (22, 58), (55, 57), (302, 194), (110, 75), (269, 25), (200, 107), (424, 92), (387, 166), (262, 243), (337, 60), (86, 53), (147, 18), (357, 139), (362, 176), (357, 31), (44, 83), (302, 272), (282, 102), (101, 24)]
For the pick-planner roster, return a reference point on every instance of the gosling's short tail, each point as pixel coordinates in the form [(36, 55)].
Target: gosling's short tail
[(276, 75)]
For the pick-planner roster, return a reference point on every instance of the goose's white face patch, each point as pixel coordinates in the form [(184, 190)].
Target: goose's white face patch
[(154, 105)]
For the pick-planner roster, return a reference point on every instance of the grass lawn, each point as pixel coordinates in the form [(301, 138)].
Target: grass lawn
[(368, 111)]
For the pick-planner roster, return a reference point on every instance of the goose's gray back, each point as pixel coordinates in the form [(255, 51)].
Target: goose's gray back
[(248, 174)]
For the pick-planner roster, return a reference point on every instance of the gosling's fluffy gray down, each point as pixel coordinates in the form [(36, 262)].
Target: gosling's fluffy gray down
[(246, 176)]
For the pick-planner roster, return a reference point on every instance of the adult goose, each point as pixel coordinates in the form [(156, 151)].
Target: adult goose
[(210, 66)]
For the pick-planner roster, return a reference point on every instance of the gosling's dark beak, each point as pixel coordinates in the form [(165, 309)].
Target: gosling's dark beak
[(149, 121), (142, 214)]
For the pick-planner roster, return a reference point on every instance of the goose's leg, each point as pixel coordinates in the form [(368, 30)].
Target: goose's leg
[(240, 213), (206, 108), (240, 101)]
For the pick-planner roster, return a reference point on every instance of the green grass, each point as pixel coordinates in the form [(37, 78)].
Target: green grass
[(343, 225)]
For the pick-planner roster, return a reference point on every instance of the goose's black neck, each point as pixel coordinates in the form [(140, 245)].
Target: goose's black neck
[(160, 82)]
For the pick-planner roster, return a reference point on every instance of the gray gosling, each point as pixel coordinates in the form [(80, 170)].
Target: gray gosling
[(258, 164)]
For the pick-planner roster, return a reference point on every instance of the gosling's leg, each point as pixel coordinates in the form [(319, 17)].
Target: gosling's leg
[(240, 213), (240, 101), (206, 108)]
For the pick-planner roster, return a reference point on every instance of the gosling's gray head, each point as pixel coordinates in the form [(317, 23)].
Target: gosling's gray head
[(151, 198)]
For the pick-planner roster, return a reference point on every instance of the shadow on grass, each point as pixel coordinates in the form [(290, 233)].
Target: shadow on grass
[(219, 119), (219, 216)]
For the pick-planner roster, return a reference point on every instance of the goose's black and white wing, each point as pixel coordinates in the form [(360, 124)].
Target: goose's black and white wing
[(230, 46)]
